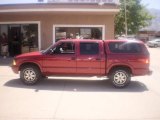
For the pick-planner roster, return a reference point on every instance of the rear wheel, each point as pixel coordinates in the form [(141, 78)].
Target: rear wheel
[(120, 78), (30, 75)]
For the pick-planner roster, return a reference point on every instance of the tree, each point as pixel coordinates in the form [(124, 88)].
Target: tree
[(136, 15)]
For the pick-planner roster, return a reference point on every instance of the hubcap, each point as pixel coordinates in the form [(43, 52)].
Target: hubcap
[(29, 75), (120, 78)]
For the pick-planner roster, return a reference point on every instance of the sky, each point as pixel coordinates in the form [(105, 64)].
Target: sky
[(149, 3), (152, 3)]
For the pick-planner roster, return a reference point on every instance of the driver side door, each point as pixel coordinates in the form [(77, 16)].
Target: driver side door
[(62, 59)]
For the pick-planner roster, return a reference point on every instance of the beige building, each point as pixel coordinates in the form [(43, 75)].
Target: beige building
[(32, 27)]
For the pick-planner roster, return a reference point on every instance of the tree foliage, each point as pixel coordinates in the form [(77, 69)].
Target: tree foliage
[(136, 14)]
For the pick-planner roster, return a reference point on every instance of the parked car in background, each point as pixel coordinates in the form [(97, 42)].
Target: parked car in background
[(127, 38), (154, 43), (117, 59)]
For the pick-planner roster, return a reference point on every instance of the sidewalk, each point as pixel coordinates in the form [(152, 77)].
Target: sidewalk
[(5, 61)]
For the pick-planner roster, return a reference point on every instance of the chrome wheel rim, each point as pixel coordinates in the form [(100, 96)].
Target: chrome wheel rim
[(29, 75), (120, 78)]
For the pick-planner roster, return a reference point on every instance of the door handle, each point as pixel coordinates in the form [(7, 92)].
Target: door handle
[(73, 58), (98, 58)]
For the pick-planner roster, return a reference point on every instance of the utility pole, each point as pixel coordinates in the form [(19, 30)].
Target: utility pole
[(125, 10)]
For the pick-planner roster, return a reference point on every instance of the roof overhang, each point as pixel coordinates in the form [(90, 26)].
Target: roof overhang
[(60, 10), (65, 8)]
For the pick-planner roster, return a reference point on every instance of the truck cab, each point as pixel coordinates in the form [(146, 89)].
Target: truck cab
[(75, 58)]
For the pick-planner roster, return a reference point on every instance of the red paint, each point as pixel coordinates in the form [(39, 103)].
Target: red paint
[(77, 64)]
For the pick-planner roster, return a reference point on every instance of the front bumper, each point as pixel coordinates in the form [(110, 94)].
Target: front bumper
[(150, 44)]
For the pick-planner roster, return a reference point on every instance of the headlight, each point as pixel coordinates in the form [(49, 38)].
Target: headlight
[(14, 62)]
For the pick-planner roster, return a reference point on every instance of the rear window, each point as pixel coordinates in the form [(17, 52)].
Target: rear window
[(125, 47)]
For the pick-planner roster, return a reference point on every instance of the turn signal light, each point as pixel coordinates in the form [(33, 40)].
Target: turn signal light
[(146, 61), (14, 62)]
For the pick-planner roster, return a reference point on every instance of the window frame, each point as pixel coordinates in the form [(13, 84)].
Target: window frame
[(79, 26)]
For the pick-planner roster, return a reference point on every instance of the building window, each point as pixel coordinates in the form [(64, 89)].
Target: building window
[(78, 33), (21, 38), (30, 35)]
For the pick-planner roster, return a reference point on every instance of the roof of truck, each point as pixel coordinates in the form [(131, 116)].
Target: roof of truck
[(106, 41)]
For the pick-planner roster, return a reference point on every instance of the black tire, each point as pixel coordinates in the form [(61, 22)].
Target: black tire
[(30, 75), (120, 78), (155, 45), (44, 77)]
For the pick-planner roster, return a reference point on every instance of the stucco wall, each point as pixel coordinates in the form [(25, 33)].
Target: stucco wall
[(47, 20)]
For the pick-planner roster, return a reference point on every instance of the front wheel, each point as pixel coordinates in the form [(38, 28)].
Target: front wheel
[(30, 75), (120, 78)]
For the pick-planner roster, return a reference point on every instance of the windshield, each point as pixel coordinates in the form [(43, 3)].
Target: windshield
[(45, 51)]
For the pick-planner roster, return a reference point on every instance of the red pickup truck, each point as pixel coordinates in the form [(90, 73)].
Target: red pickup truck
[(117, 59)]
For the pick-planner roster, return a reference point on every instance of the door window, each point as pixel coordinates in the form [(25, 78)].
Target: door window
[(64, 48), (89, 48)]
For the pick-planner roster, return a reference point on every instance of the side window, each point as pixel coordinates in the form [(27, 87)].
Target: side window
[(65, 48), (133, 48), (115, 47), (89, 48), (125, 47)]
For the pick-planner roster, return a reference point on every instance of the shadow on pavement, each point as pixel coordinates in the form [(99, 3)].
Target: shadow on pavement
[(5, 62), (77, 85)]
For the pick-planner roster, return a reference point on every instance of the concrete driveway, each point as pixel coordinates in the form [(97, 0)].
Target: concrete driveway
[(87, 98)]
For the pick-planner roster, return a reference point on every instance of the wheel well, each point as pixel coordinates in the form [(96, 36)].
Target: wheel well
[(123, 67), (29, 64)]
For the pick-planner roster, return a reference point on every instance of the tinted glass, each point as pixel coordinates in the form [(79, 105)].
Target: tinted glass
[(65, 48), (89, 48), (124, 47)]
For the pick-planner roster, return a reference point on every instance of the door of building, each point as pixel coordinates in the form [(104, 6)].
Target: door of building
[(14, 38)]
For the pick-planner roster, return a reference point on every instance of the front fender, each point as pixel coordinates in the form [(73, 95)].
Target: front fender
[(35, 62)]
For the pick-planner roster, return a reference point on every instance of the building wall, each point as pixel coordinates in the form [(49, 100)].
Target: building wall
[(47, 21)]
